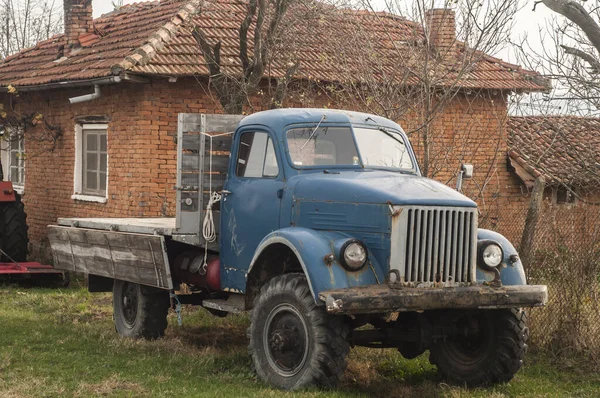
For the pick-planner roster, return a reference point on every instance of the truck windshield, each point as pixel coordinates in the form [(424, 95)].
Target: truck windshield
[(334, 146)]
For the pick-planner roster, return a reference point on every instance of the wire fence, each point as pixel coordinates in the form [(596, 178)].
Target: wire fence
[(566, 257)]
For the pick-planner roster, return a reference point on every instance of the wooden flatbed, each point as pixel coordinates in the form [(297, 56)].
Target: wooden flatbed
[(153, 226)]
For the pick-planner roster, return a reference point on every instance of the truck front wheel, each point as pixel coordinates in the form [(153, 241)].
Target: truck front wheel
[(487, 347), (293, 342), (139, 311)]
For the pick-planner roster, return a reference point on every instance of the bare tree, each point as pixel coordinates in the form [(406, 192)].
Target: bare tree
[(260, 36), (434, 53), (23, 23), (569, 53)]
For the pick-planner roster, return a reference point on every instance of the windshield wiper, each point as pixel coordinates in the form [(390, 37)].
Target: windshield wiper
[(384, 131), (313, 132)]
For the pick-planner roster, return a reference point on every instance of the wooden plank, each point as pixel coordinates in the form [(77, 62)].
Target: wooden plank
[(131, 257), (156, 225)]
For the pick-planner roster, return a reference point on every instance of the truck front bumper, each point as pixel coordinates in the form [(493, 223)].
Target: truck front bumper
[(381, 299)]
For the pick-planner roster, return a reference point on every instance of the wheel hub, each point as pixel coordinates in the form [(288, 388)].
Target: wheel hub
[(286, 340), (129, 300)]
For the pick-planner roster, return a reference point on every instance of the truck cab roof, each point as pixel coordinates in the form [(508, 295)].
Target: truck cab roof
[(279, 119)]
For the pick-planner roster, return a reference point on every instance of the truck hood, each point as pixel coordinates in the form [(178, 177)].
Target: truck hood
[(375, 186)]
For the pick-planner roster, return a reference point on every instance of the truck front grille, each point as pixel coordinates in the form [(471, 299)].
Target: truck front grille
[(439, 247)]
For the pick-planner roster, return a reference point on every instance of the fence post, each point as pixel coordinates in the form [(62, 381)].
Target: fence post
[(533, 214)]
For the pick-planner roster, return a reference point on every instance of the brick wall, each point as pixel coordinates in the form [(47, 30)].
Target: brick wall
[(142, 151)]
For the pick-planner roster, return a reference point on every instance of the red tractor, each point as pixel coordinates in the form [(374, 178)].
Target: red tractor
[(14, 241)]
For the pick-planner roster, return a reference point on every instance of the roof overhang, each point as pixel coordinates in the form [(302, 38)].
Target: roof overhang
[(123, 77)]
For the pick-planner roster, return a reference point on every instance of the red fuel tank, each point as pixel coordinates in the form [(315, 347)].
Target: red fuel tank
[(188, 268)]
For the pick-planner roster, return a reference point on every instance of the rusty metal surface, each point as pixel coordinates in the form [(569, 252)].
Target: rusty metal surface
[(7, 193), (381, 299)]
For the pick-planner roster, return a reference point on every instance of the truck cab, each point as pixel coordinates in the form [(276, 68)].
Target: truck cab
[(320, 223)]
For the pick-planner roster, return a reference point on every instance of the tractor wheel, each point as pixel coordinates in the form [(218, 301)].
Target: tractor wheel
[(140, 311), (488, 349), (13, 231), (293, 342)]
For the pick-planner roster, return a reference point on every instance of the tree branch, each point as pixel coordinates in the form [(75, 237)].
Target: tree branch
[(282, 85), (244, 36), (577, 14), (590, 59)]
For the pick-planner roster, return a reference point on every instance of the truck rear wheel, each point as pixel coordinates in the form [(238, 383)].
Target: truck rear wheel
[(140, 311), (488, 348), (13, 231), (293, 342)]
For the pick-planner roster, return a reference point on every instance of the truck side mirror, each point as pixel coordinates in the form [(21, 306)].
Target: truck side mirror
[(466, 171)]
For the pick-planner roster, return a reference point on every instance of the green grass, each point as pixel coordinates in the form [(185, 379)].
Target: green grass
[(62, 343)]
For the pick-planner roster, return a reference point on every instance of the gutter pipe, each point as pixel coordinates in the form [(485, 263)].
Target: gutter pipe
[(88, 97)]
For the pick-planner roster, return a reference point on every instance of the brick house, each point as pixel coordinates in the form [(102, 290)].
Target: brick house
[(114, 154), (565, 151)]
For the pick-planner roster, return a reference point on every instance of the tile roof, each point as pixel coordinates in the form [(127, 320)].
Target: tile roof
[(564, 149), (154, 38)]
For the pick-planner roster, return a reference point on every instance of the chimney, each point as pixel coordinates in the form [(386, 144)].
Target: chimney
[(78, 20), (441, 28)]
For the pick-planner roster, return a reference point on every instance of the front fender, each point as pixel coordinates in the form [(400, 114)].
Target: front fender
[(510, 273), (311, 248)]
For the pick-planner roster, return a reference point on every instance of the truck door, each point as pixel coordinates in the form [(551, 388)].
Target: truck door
[(251, 203)]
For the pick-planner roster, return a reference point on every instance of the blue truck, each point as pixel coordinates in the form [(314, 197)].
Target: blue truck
[(320, 224)]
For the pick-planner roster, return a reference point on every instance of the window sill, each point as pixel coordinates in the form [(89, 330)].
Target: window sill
[(19, 189), (89, 198)]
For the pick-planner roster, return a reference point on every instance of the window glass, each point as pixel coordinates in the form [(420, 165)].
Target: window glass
[(256, 156), (16, 159), (382, 148), (332, 146), (325, 146), (94, 162)]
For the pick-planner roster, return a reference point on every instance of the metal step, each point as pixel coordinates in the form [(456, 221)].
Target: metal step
[(235, 304)]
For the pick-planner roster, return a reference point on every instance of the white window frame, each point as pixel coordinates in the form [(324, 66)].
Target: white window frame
[(7, 160), (78, 169)]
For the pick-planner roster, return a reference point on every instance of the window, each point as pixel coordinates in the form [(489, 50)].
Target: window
[(256, 156), (564, 195), (382, 148), (335, 146), (325, 146), (91, 163), (16, 160)]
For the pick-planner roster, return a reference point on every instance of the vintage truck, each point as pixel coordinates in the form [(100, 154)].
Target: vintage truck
[(320, 224)]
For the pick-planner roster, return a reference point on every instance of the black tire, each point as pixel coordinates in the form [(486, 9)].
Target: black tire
[(13, 231), (293, 342), (493, 356), (140, 311)]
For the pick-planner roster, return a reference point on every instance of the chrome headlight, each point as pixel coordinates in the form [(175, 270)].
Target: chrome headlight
[(353, 255), (490, 255)]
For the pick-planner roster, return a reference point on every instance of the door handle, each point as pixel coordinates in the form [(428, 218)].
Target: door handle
[(226, 192)]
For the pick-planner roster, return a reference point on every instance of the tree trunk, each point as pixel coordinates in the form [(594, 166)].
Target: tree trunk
[(533, 214)]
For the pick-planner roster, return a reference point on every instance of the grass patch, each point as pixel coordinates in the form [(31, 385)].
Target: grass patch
[(62, 342)]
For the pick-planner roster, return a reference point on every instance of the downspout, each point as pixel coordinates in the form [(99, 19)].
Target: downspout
[(87, 97)]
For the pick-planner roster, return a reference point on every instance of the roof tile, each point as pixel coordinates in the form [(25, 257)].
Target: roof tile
[(563, 149), (155, 38)]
